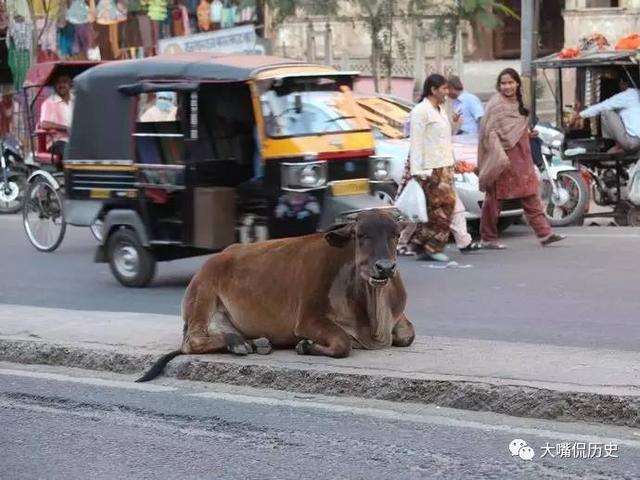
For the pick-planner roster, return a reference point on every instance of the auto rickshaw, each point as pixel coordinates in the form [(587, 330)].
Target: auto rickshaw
[(183, 155), (593, 76), (42, 210)]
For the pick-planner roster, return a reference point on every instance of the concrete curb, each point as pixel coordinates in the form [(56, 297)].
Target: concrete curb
[(509, 399)]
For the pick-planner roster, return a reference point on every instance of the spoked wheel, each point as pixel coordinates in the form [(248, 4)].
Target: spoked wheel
[(43, 216), (567, 206), (12, 194), (131, 263)]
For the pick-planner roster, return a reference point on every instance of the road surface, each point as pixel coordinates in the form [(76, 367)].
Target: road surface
[(583, 292), (70, 424)]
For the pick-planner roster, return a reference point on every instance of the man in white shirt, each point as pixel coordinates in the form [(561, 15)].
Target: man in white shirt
[(56, 113), (620, 117)]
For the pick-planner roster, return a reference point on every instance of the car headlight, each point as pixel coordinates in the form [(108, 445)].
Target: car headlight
[(379, 168), (303, 176)]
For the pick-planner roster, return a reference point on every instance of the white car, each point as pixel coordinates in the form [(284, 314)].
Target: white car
[(390, 143)]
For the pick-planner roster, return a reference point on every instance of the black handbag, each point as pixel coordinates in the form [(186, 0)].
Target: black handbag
[(536, 151)]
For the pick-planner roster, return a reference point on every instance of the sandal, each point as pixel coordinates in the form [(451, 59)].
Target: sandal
[(405, 251), (553, 238), (493, 246), (472, 247)]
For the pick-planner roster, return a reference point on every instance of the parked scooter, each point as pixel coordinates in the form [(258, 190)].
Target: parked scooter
[(563, 189), (13, 175)]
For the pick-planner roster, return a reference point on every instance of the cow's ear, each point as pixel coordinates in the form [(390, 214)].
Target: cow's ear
[(339, 235)]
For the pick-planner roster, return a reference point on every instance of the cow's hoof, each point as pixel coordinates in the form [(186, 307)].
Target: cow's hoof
[(261, 346), (240, 349), (237, 345), (304, 347)]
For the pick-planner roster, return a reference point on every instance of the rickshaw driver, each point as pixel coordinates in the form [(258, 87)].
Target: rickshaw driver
[(620, 116), (56, 113)]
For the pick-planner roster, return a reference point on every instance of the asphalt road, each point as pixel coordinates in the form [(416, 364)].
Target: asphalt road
[(583, 292), (63, 424)]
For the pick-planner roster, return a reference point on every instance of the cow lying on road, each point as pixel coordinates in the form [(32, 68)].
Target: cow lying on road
[(323, 293)]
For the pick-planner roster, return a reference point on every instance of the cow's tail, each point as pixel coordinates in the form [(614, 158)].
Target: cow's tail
[(157, 368)]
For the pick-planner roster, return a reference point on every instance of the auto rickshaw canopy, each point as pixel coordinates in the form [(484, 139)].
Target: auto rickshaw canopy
[(103, 114)]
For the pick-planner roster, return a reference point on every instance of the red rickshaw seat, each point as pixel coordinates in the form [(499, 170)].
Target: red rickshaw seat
[(42, 153)]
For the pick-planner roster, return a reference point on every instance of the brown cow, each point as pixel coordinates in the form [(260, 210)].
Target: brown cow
[(322, 293)]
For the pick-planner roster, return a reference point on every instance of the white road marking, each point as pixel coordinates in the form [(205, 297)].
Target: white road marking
[(100, 382), (603, 235), (407, 417)]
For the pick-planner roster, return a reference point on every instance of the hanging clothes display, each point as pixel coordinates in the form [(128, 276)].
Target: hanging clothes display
[(204, 16), (47, 34), (4, 19), (146, 33), (45, 8), (20, 45), (246, 12), (158, 10), (108, 12), (66, 37), (83, 38), (78, 12), (216, 14), (180, 21), (19, 63), (5, 71), (18, 8), (228, 14)]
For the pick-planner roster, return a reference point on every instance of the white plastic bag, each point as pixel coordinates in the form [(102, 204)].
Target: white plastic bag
[(412, 202), (634, 184)]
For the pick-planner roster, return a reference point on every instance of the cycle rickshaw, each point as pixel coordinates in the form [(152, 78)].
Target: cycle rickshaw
[(43, 213)]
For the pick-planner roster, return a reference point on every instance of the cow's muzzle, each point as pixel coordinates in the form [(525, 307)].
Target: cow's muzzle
[(384, 270)]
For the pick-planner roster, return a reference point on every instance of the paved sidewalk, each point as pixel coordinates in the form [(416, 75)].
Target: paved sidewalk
[(512, 378)]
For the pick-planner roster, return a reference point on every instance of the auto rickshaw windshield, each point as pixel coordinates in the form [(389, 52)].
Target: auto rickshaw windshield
[(312, 106)]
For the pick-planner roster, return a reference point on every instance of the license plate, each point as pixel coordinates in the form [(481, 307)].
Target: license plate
[(350, 187), (100, 193)]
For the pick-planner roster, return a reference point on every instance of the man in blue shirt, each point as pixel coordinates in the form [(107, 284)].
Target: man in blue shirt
[(620, 117), (466, 104)]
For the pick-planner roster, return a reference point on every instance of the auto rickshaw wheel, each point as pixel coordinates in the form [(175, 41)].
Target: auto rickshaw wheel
[(131, 263)]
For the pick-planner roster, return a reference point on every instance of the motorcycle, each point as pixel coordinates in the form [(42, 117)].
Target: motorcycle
[(563, 189), (13, 175)]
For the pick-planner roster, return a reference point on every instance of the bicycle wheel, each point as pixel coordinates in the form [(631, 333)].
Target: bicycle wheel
[(43, 216)]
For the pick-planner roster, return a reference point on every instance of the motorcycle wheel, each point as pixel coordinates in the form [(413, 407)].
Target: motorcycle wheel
[(573, 208), (12, 194)]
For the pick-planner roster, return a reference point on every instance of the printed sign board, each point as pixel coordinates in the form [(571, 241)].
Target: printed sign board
[(229, 40)]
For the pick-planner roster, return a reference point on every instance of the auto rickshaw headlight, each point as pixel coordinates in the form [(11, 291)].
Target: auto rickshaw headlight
[(304, 176), (380, 168)]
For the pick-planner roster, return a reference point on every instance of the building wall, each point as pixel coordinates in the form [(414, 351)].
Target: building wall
[(583, 17)]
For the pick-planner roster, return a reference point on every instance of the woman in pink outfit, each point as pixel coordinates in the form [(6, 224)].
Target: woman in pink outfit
[(505, 164)]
